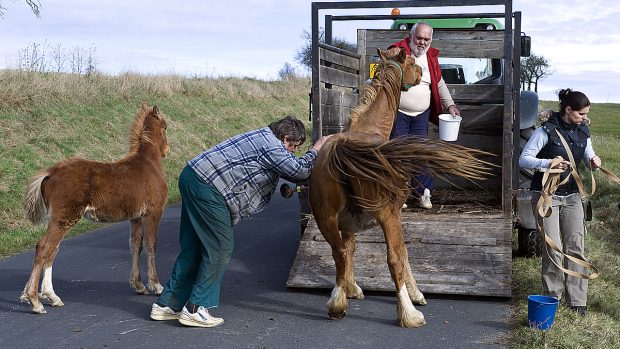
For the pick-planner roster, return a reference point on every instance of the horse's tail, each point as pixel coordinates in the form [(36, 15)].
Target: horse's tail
[(388, 165), (34, 203)]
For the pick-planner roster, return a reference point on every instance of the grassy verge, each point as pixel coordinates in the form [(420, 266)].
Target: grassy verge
[(45, 118)]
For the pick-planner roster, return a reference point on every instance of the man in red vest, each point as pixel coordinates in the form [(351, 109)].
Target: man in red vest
[(424, 102)]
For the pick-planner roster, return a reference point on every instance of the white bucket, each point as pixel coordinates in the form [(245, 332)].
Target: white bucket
[(449, 127)]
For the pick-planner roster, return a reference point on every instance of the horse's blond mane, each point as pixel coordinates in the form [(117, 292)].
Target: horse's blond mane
[(138, 134), (387, 76)]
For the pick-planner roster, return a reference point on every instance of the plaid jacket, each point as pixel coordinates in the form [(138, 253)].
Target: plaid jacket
[(246, 169)]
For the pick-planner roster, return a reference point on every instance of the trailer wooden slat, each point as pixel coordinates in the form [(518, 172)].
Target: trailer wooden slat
[(456, 254), (477, 93), (451, 43), (338, 98), (340, 59), (335, 116), (338, 77)]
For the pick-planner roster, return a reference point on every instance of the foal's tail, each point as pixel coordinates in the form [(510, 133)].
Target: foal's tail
[(388, 165), (36, 211)]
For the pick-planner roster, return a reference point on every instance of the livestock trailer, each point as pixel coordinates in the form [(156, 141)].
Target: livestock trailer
[(463, 246)]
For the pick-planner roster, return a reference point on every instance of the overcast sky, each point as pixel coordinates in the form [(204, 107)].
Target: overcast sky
[(253, 38)]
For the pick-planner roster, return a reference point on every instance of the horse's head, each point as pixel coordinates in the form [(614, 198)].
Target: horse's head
[(410, 73), (150, 128), (161, 127)]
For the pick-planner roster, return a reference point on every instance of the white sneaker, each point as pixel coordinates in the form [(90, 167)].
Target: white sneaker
[(425, 200), (163, 313), (201, 318)]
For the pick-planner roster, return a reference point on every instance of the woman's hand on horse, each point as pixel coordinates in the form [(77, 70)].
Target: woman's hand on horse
[(319, 143)]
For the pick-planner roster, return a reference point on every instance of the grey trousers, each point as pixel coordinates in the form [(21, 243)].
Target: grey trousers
[(565, 226)]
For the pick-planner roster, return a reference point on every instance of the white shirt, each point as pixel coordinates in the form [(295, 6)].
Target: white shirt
[(418, 98), (537, 141)]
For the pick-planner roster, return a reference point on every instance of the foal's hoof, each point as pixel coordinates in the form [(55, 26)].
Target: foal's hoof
[(53, 299), (39, 309), (42, 311), (157, 289), (337, 315), (140, 288), (24, 299)]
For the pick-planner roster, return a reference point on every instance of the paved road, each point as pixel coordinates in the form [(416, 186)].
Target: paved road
[(101, 311)]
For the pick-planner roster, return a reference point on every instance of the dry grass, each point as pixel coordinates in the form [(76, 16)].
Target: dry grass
[(47, 117)]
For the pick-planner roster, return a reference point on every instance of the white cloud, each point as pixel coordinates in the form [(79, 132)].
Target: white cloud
[(256, 37)]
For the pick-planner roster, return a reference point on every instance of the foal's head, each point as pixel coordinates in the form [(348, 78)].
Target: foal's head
[(149, 128), (410, 73)]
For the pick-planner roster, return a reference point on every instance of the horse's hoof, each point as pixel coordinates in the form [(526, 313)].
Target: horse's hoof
[(412, 324), (142, 291), (58, 303), (418, 298), (356, 294), (139, 287), (39, 310), (337, 316), (412, 319), (157, 289)]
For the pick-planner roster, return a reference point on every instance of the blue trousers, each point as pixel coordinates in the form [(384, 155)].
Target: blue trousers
[(206, 239), (414, 125)]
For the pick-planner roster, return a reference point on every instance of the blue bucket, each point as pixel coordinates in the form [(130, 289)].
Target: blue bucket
[(541, 311)]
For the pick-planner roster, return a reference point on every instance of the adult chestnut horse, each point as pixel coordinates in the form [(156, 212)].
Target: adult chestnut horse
[(132, 188), (360, 177)]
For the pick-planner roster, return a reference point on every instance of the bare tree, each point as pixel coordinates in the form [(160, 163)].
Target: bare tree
[(83, 61), (34, 57), (533, 69), (59, 58), (287, 72), (91, 61), (45, 58), (34, 6), (77, 60), (304, 54)]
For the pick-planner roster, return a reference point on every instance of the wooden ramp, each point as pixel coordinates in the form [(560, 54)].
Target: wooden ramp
[(456, 253)]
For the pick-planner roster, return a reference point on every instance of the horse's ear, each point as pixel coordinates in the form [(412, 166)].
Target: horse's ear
[(402, 55), (145, 106), (156, 112), (381, 54)]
